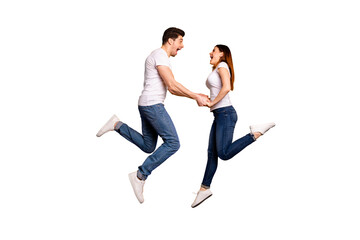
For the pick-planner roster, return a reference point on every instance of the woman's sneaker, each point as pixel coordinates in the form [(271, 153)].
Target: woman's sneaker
[(261, 128), (201, 197)]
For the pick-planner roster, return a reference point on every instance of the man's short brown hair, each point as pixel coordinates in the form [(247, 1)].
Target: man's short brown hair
[(172, 33)]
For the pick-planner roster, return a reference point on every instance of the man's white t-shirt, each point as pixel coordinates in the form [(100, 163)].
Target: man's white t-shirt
[(154, 91), (214, 83)]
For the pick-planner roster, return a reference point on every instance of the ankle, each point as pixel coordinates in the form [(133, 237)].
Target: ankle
[(256, 135)]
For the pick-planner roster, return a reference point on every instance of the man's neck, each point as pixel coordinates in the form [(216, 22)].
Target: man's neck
[(166, 49)]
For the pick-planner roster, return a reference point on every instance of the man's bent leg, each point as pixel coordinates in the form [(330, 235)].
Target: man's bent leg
[(165, 128), (145, 141)]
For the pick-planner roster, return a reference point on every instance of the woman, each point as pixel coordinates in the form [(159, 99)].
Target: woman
[(220, 82)]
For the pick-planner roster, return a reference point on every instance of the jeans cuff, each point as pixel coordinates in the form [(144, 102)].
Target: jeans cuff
[(118, 125), (140, 176), (252, 135), (204, 186)]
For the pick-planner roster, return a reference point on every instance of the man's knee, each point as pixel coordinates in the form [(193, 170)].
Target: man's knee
[(174, 145), (149, 149)]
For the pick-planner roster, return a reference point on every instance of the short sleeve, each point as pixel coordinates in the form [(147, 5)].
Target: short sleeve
[(161, 59), (223, 65)]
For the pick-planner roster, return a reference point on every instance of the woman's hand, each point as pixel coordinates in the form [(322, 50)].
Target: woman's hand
[(211, 104), (202, 99)]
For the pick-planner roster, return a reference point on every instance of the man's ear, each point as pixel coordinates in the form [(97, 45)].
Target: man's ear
[(170, 41)]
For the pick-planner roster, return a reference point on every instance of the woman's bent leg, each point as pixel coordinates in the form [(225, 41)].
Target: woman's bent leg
[(225, 131)]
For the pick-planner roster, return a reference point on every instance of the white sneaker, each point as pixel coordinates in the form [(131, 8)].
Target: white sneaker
[(201, 197), (261, 128), (137, 185), (109, 126)]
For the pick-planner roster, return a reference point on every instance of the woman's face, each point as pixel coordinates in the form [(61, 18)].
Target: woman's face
[(215, 56)]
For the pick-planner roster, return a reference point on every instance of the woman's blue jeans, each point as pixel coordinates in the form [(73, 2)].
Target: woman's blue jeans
[(220, 141), (155, 122)]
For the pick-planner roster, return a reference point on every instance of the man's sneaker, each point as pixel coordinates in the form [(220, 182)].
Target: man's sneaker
[(201, 197), (261, 128), (109, 126), (137, 185)]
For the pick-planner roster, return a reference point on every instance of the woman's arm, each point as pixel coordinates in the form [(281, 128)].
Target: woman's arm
[(225, 80)]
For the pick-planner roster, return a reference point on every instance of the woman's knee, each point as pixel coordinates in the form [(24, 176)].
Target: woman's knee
[(224, 156)]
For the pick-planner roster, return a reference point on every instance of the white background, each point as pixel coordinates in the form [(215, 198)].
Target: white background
[(67, 66)]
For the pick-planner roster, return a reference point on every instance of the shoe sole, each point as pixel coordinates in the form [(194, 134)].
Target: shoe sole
[(201, 201)]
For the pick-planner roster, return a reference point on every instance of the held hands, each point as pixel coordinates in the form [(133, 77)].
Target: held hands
[(203, 100)]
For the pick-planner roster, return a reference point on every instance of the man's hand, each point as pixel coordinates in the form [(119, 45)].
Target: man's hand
[(202, 100)]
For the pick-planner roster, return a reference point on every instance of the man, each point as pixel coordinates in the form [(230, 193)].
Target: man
[(155, 119)]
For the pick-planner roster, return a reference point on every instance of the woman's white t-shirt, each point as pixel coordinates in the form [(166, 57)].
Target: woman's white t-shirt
[(214, 83), (154, 91)]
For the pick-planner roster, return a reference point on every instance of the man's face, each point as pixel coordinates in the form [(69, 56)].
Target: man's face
[(176, 45)]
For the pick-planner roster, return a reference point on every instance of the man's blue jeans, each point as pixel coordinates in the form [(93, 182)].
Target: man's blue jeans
[(155, 122), (220, 141)]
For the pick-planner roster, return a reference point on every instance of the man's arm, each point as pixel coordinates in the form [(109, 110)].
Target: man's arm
[(177, 88)]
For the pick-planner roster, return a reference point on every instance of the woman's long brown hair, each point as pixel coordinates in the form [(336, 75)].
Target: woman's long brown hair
[(228, 59)]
